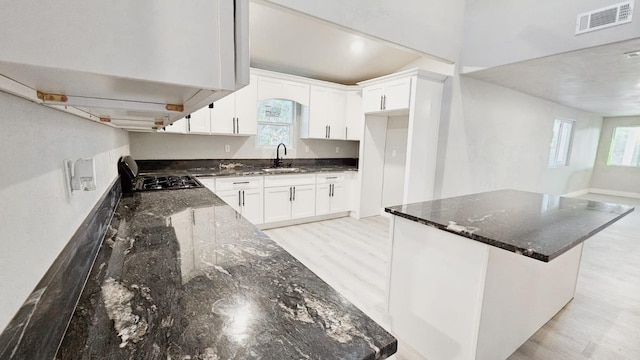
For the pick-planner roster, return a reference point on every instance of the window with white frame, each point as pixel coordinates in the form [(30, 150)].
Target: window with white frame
[(275, 122), (561, 143), (625, 147)]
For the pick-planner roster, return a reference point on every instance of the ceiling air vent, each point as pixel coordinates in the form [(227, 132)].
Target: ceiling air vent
[(605, 17)]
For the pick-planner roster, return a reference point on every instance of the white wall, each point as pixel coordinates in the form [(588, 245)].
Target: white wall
[(615, 178), (37, 216), (431, 26), (395, 158), (498, 32), (493, 138), (179, 146)]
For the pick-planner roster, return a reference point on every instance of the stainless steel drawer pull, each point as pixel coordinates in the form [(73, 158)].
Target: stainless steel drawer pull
[(240, 182)]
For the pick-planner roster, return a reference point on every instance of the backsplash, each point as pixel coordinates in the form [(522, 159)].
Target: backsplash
[(36, 331), (179, 146)]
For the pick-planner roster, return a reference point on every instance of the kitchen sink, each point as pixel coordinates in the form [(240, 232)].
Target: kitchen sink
[(280, 170)]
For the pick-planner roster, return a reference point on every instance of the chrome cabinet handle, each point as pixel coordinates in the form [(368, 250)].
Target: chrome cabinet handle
[(380, 102), (242, 197), (294, 193), (239, 199), (290, 194)]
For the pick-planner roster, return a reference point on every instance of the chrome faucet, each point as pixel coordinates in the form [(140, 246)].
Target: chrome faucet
[(278, 161)]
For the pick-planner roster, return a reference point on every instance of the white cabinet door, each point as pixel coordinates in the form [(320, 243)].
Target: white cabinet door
[(200, 121), (323, 203), (304, 201), (297, 92), (232, 198), (354, 117), (397, 94), (208, 182), (338, 198), (277, 204), (319, 113), (246, 108), (252, 205), (179, 126), (372, 98), (389, 96), (327, 107), (223, 115), (337, 108), (269, 88)]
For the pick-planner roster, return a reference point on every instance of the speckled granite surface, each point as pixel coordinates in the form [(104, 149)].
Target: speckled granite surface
[(185, 277), (245, 167), (540, 226)]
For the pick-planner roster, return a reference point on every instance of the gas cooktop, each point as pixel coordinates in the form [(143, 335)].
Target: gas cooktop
[(166, 182)]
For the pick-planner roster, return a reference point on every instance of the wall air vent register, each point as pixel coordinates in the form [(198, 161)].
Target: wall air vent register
[(605, 17)]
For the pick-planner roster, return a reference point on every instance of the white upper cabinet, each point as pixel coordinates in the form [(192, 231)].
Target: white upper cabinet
[(274, 88), (326, 114), (372, 96), (235, 114), (223, 115), (392, 95), (354, 116), (179, 126), (145, 63), (200, 121)]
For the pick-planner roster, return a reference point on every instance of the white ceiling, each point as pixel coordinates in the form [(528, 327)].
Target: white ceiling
[(600, 80), (289, 42)]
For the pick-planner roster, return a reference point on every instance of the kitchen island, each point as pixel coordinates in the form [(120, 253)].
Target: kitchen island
[(183, 276), (473, 277)]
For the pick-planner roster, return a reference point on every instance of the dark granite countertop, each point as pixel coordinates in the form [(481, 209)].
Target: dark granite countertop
[(183, 276), (540, 226), (244, 167), (255, 171)]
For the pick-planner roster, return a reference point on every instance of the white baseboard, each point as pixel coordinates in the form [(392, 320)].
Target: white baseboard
[(577, 193), (615, 193), (384, 213), (301, 221)]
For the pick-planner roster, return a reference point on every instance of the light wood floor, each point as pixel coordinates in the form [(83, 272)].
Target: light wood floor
[(601, 322)]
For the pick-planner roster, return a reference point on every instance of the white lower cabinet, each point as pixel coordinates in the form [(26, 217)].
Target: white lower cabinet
[(278, 198), (331, 196), (243, 194), (208, 182), (288, 197)]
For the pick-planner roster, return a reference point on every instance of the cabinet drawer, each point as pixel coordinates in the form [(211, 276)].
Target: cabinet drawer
[(289, 180), (330, 178), (237, 183)]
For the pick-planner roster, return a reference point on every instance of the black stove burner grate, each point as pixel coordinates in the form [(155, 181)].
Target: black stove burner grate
[(167, 182)]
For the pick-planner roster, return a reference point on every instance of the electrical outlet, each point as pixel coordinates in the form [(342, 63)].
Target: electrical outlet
[(306, 148), (393, 153), (337, 149), (227, 148)]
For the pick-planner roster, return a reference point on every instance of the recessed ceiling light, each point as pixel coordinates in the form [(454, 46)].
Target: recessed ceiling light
[(357, 46), (633, 54)]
